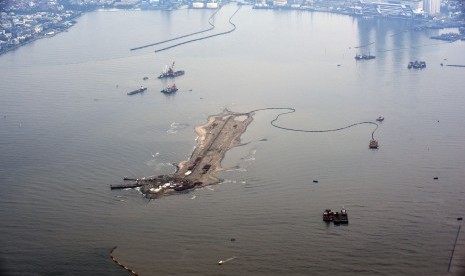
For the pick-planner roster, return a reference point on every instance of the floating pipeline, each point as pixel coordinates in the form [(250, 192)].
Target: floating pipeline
[(212, 26), (197, 175), (205, 37), (120, 264), (292, 110)]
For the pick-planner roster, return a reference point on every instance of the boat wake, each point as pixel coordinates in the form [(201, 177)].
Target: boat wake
[(227, 260)]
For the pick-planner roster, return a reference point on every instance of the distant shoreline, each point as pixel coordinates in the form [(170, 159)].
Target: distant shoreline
[(80, 13), (46, 35)]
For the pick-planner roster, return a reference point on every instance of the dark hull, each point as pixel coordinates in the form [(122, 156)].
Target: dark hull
[(140, 90), (171, 75), (169, 91), (364, 57), (336, 217), (416, 65)]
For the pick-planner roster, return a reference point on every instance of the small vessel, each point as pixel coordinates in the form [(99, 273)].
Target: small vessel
[(140, 90), (416, 64), (380, 119), (337, 218), (168, 72), (169, 89), (373, 144), (328, 215), (343, 216), (364, 57), (145, 78)]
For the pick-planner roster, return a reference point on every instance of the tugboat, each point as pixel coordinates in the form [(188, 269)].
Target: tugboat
[(380, 119), (140, 90), (328, 215), (169, 72), (170, 89), (344, 218), (373, 144), (416, 64), (364, 57), (337, 218)]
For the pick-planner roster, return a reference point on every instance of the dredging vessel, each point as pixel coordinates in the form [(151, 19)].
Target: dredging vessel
[(170, 89), (168, 72), (373, 144)]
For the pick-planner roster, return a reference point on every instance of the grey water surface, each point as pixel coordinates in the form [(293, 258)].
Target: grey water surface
[(68, 130)]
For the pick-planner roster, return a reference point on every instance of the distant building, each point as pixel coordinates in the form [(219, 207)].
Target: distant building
[(279, 3), (386, 10), (212, 5), (415, 5), (198, 5), (432, 7)]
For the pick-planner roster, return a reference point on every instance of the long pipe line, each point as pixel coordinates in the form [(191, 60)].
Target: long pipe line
[(292, 110), (205, 37), (212, 26)]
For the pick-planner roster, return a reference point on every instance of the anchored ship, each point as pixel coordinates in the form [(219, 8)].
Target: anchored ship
[(362, 57), (170, 89), (416, 64), (168, 72), (336, 217), (140, 90)]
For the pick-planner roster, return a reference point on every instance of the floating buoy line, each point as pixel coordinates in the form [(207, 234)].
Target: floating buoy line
[(120, 264)]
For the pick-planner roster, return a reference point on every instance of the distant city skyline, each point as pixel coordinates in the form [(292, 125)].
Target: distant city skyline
[(432, 7)]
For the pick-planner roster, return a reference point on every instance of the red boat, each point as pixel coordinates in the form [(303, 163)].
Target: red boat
[(373, 144), (328, 215), (170, 89)]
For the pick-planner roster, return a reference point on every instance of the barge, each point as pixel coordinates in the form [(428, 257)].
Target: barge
[(416, 64), (336, 217), (140, 90), (168, 72)]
